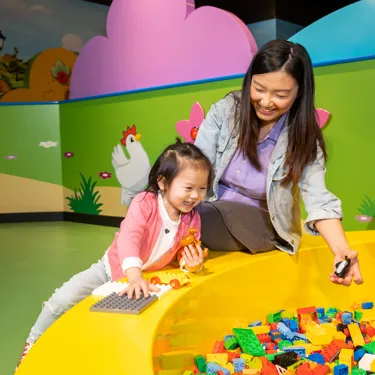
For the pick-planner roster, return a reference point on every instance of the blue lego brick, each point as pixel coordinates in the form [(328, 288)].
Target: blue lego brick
[(346, 317), (213, 368), (320, 311), (358, 354), (275, 335), (300, 336), (316, 357), (239, 364), (255, 324), (341, 370), (285, 331), (300, 350), (367, 305)]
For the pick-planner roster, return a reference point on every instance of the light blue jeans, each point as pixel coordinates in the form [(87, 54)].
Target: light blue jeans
[(71, 292)]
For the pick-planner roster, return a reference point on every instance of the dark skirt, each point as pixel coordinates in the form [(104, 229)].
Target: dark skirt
[(233, 226)]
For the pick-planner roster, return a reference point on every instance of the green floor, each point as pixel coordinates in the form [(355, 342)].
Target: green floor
[(36, 259)]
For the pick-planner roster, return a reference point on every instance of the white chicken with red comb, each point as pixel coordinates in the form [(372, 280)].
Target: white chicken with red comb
[(132, 173)]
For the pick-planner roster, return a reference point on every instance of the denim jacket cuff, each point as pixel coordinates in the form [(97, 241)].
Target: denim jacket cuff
[(320, 214)]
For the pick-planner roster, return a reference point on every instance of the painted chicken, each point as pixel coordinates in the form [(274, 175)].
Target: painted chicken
[(132, 173)]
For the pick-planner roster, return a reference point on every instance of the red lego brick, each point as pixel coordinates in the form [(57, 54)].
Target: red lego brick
[(219, 347)]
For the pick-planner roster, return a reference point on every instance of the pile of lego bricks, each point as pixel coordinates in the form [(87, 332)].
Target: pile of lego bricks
[(307, 341)]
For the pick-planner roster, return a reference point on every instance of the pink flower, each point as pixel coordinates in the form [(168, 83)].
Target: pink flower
[(188, 129), (105, 175), (68, 154), (322, 116), (364, 218), (10, 157)]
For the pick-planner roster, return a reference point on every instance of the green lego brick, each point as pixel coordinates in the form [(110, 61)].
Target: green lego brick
[(358, 315), (201, 363), (231, 343), (358, 371), (370, 347), (248, 342), (274, 318)]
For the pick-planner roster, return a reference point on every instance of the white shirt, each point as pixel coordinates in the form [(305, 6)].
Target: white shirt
[(163, 244)]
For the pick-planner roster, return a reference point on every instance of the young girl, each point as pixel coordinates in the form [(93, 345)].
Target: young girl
[(149, 236)]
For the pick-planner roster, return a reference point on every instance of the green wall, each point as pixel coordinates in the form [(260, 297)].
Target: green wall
[(22, 128), (90, 129)]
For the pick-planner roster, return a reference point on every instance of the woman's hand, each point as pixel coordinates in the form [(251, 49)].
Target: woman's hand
[(354, 272), (193, 261), (137, 284)]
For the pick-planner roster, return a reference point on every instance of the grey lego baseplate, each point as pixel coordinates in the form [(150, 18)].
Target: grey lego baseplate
[(114, 303)]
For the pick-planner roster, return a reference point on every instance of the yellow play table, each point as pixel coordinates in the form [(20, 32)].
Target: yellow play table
[(165, 337)]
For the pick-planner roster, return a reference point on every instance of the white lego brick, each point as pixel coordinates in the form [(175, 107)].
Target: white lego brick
[(116, 286), (365, 362)]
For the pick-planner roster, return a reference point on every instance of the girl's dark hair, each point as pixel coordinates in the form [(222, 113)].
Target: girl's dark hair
[(173, 159), (304, 132)]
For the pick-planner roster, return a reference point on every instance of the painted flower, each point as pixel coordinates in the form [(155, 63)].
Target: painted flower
[(188, 129), (68, 154), (61, 72), (48, 144), (364, 218), (322, 116), (10, 157), (105, 175)]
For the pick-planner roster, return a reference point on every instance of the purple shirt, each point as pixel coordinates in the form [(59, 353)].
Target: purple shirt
[(241, 182)]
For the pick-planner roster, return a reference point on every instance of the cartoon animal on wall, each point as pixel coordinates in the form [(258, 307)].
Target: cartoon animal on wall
[(48, 78), (132, 173)]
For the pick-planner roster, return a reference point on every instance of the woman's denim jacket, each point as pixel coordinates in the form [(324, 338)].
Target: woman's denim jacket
[(217, 139)]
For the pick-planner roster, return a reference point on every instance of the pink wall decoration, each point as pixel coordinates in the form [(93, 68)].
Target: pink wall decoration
[(188, 129), (155, 43), (322, 116)]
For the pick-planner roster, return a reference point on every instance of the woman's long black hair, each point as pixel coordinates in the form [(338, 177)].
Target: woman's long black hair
[(304, 132)]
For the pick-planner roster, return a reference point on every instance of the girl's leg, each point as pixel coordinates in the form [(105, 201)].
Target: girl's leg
[(73, 291)]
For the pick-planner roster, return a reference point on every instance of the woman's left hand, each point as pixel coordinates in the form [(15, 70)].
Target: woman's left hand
[(193, 261), (354, 273)]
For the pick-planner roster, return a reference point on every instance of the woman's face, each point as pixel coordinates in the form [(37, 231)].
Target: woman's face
[(272, 95)]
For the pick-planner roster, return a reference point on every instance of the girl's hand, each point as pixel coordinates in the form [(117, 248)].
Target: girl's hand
[(193, 261), (354, 272), (137, 284)]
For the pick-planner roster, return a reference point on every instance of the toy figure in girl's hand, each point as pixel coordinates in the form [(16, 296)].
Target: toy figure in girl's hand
[(190, 248)]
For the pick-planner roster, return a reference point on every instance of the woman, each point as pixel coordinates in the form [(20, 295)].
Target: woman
[(268, 151)]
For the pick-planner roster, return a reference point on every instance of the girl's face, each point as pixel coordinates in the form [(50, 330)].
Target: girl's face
[(272, 95), (186, 191)]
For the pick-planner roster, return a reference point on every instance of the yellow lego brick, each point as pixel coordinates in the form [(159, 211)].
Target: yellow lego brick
[(258, 330), (346, 358), (219, 358), (299, 343), (256, 363), (287, 314), (339, 336), (251, 371), (356, 334), (247, 358), (372, 366), (229, 366)]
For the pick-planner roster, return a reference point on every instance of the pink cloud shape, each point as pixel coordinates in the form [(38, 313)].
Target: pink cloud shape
[(188, 129), (153, 43), (322, 116)]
